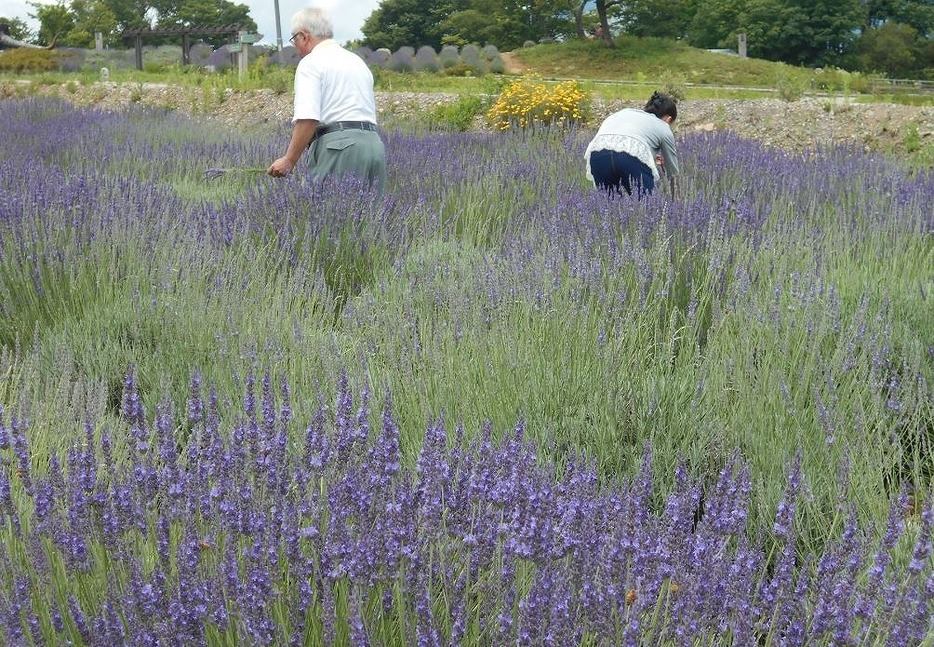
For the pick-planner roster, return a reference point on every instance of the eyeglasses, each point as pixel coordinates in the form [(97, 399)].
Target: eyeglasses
[(294, 36)]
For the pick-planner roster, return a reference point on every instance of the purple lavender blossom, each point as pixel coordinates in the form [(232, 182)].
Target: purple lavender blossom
[(472, 539)]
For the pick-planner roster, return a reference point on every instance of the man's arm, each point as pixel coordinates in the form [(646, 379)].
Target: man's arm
[(303, 132)]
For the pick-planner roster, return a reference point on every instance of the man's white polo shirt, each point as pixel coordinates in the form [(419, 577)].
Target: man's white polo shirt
[(333, 84)]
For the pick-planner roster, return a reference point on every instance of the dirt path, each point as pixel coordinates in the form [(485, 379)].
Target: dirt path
[(512, 64)]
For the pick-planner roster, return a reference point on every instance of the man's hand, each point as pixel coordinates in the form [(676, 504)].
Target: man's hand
[(281, 167), (303, 132)]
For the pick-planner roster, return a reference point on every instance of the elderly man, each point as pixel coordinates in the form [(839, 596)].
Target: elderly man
[(335, 107)]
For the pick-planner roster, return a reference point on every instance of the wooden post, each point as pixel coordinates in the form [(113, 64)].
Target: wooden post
[(139, 52), (243, 58), (742, 45)]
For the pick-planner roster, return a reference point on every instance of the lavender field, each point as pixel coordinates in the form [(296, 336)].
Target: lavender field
[(489, 406)]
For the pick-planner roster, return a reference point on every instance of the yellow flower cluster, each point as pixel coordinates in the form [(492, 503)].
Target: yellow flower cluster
[(526, 103)]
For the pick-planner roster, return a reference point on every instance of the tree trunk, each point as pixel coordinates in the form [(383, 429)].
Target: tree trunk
[(9, 41), (578, 10), (601, 12)]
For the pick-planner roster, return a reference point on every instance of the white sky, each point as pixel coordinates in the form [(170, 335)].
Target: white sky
[(347, 15)]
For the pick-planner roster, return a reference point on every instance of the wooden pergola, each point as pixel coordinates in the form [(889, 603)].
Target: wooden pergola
[(231, 31)]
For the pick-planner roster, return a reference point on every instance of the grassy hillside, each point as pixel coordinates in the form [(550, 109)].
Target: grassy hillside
[(637, 58), (638, 65)]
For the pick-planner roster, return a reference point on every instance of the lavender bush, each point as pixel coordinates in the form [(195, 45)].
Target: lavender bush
[(740, 328), (200, 54), (220, 59), (379, 57), (490, 53), (473, 57), (363, 52), (94, 60), (261, 530), (449, 56), (426, 59), (71, 59), (288, 56), (405, 59), (402, 60)]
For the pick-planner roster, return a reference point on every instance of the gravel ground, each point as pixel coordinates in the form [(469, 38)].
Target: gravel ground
[(795, 125)]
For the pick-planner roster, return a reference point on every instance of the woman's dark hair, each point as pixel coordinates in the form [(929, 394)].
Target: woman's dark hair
[(662, 105)]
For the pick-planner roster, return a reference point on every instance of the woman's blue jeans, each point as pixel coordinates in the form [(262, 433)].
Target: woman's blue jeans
[(613, 171)]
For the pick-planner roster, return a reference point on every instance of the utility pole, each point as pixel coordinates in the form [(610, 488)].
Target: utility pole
[(278, 27)]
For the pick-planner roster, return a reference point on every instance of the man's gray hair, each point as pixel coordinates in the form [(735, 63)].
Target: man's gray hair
[(314, 21)]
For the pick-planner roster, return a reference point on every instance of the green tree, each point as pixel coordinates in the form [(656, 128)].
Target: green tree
[(804, 32), (15, 28), (575, 8), (55, 22), (508, 24), (397, 23), (482, 22), (177, 14), (130, 14), (504, 23), (75, 24), (926, 59), (659, 18), (470, 22), (915, 13), (715, 23), (91, 16), (801, 32), (892, 48), (202, 13), (607, 9), (764, 24), (542, 18)]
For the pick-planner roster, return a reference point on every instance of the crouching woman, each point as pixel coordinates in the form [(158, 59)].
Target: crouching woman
[(634, 147)]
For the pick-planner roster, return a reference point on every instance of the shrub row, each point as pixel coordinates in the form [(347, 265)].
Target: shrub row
[(468, 60)]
